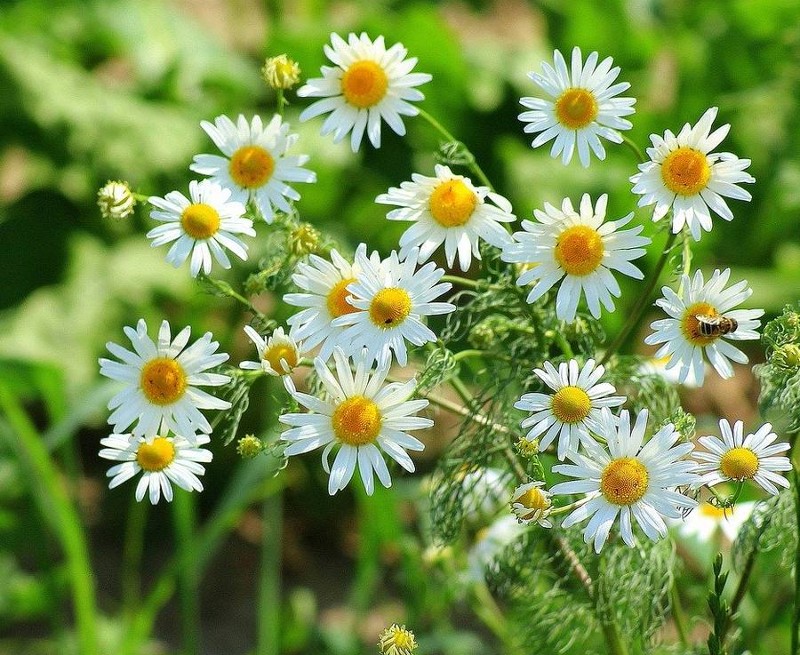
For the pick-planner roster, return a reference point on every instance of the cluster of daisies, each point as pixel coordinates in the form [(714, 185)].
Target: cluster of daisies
[(359, 315)]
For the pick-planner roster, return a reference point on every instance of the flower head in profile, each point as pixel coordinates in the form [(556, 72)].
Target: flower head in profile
[(278, 354), (361, 416), (202, 225), (628, 479), (162, 461), (582, 248), (573, 410), (448, 209), (161, 381), (582, 107), (736, 458), (392, 298), (683, 174), (116, 200), (700, 322), (531, 504), (368, 83), (255, 165)]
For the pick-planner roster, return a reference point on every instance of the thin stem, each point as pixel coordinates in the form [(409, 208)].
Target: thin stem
[(472, 284), (679, 615), (183, 512), (641, 301), (486, 608), (635, 148), (132, 557), (575, 565), (795, 639), (464, 354), (269, 588), (562, 342), (281, 102), (227, 290)]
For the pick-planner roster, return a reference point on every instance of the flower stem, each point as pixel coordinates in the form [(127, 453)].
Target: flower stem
[(679, 616), (132, 557), (635, 148), (795, 638), (472, 284), (269, 589), (188, 575)]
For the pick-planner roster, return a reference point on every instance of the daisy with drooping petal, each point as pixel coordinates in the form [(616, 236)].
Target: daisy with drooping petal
[(583, 107), (201, 226), (573, 410), (447, 209), (161, 381), (367, 84), (683, 174), (278, 355), (707, 520), (531, 504), (736, 458), (580, 247), (255, 166), (361, 416), (392, 298), (693, 329), (163, 461), (629, 480)]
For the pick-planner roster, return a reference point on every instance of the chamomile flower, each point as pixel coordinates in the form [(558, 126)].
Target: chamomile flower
[(366, 84), (531, 504), (202, 225), (255, 166), (278, 355), (325, 297), (685, 175), (695, 325), (392, 298), (580, 247), (736, 458), (705, 521), (628, 480), (448, 209), (583, 106), (162, 380), (361, 417), (573, 410), (162, 461)]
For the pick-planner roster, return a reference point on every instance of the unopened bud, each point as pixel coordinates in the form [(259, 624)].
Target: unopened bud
[(281, 72), (304, 239), (249, 446), (115, 200)]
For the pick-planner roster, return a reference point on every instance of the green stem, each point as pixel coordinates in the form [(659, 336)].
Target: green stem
[(269, 597), (487, 610), (679, 616), (281, 102), (795, 639), (635, 148), (183, 513), (472, 284), (562, 342), (57, 508), (642, 301), (686, 259), (132, 557), (464, 354)]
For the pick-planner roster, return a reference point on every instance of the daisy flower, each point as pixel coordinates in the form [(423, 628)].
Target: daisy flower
[(255, 166), (392, 298), (162, 461), (325, 298), (694, 325), (366, 84), (201, 225), (573, 410), (683, 174), (707, 520), (582, 107), (278, 355), (531, 504), (735, 458), (447, 209), (629, 480), (360, 416), (161, 381), (580, 247)]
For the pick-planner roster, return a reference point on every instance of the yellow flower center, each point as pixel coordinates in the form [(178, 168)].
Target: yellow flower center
[(535, 501), (278, 352), (155, 456), (452, 203), (579, 250), (390, 307), (690, 326), (624, 481), (714, 512), (576, 108), (571, 405), (364, 84), (685, 171), (739, 463), (396, 640), (163, 381), (356, 421), (251, 167), (337, 299), (200, 221)]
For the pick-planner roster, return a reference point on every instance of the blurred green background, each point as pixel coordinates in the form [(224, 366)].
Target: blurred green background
[(97, 90)]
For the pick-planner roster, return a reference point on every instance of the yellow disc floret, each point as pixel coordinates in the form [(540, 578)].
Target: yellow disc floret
[(364, 84), (156, 455), (356, 421), (397, 640), (579, 250), (624, 481), (714, 512), (200, 221), (452, 203), (279, 353), (571, 405), (337, 299), (685, 171), (576, 108), (739, 463), (163, 381), (251, 167), (390, 307), (690, 325)]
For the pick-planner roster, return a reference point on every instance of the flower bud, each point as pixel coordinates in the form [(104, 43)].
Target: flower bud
[(281, 72), (115, 200)]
